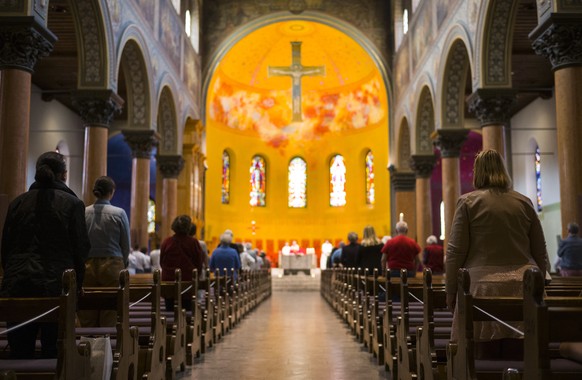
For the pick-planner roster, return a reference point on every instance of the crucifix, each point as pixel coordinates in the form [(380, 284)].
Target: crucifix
[(296, 71)]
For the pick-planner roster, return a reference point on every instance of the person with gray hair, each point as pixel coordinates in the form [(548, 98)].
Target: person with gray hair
[(570, 252), (433, 256), (225, 258), (401, 252)]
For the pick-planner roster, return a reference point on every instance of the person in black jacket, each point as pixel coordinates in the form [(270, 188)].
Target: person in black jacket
[(349, 252), (44, 234)]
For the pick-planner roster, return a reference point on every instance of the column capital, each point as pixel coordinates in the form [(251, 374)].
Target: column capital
[(449, 141), (170, 165), (23, 42), (492, 106), (97, 107), (402, 181), (559, 39), (141, 142), (422, 165)]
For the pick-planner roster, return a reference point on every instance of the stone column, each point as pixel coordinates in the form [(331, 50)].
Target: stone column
[(449, 142), (141, 143), (170, 167), (186, 185), (492, 107), (404, 200), (96, 108), (560, 39), (24, 41), (423, 166)]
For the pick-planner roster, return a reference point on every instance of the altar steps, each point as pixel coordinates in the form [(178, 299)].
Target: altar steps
[(299, 282)]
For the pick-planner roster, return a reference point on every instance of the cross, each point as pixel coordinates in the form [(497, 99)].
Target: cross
[(296, 71)]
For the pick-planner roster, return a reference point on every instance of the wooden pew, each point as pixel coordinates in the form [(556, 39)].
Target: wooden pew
[(461, 362), (145, 292), (125, 350), (176, 326), (73, 361), (548, 321), (430, 351)]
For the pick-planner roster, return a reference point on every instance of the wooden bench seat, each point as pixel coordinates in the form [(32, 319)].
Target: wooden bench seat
[(73, 360)]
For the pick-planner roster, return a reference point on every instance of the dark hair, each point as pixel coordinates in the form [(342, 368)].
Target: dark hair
[(573, 228), (103, 187), (49, 167), (192, 230), (181, 225)]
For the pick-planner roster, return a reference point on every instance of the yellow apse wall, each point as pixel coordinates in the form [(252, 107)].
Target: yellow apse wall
[(249, 113)]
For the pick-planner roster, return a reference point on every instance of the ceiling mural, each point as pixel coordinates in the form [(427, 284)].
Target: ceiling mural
[(295, 82)]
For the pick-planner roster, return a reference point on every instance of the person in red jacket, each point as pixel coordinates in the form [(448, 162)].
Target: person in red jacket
[(433, 257), (400, 252), (180, 251)]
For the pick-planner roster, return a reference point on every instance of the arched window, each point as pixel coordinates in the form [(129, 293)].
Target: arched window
[(297, 173), (405, 21), (370, 187), (538, 166), (442, 213), (151, 216), (258, 182), (225, 178), (337, 183)]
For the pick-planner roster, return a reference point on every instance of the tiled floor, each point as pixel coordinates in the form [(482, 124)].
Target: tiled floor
[(292, 335)]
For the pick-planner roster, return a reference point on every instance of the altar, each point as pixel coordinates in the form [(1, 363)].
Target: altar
[(292, 264)]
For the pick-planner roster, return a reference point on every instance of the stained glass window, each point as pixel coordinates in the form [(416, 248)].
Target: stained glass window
[(258, 181), (151, 216), (225, 178), (337, 183), (297, 183), (538, 158), (370, 187)]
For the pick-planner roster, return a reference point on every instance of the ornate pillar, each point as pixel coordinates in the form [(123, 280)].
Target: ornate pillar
[(559, 38), (22, 42), (170, 167), (96, 108), (449, 142), (423, 166), (492, 107), (404, 199), (141, 143), (186, 185)]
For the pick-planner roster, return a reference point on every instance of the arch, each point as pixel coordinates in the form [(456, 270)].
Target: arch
[(494, 42), (297, 182), (95, 44), (313, 16), (425, 122), (138, 85), (404, 151), (452, 95), (167, 123)]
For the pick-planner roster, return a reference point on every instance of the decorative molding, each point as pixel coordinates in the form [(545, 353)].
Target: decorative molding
[(454, 89), (91, 43), (138, 94), (498, 33), (492, 106), (560, 40), (97, 107), (141, 142), (423, 165), (404, 150), (167, 124), (426, 124), (297, 6), (450, 141), (170, 165), (23, 42), (402, 181)]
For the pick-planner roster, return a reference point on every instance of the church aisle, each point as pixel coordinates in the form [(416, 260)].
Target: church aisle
[(293, 335)]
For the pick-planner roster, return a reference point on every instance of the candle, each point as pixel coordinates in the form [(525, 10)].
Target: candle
[(402, 217)]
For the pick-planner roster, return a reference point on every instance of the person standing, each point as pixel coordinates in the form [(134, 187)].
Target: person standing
[(497, 236), (44, 235), (224, 257), (570, 252), (433, 256), (401, 252), (108, 229), (180, 251), (349, 252), (369, 255)]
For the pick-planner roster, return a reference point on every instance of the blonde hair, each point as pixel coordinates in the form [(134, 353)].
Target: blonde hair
[(490, 171), (369, 238)]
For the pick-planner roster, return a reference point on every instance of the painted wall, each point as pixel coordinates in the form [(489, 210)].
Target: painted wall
[(277, 223), (536, 123)]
